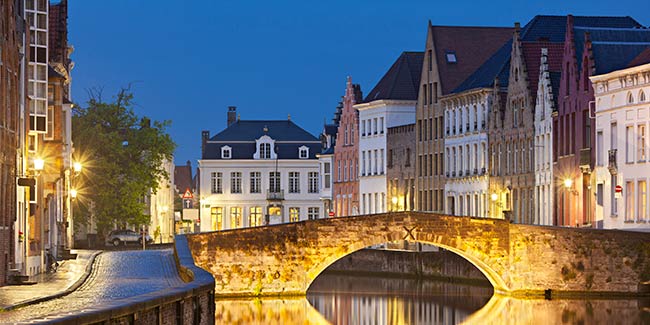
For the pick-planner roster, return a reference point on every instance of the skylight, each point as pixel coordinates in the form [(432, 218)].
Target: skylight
[(450, 56)]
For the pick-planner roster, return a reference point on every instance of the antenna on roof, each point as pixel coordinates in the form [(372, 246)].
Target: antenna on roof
[(288, 117)]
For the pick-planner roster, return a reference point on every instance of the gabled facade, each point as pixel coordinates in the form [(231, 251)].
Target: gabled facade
[(452, 54), (545, 107), (258, 172), (344, 169), (389, 104), (593, 45), (400, 167)]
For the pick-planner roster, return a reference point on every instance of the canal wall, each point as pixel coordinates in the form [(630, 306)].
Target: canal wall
[(441, 265), (190, 303)]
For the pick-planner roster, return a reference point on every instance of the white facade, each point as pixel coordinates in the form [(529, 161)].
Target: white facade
[(374, 119), (325, 183), (466, 143), (544, 107), (622, 122), (161, 208)]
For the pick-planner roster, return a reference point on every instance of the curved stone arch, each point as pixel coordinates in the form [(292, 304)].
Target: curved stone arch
[(491, 274)]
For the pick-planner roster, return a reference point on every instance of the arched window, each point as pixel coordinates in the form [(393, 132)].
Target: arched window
[(630, 98), (641, 97)]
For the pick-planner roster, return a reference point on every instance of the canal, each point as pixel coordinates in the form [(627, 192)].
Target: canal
[(349, 299)]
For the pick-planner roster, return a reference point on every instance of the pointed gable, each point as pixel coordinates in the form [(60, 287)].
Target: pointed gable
[(402, 79)]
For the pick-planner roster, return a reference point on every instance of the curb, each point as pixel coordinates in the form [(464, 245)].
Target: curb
[(59, 294)]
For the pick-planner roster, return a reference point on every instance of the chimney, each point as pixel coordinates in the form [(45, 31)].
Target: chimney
[(205, 135), (232, 115)]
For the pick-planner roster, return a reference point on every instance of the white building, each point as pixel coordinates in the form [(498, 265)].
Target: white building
[(622, 121), (391, 103), (466, 143), (547, 88), (161, 208), (325, 161), (258, 172)]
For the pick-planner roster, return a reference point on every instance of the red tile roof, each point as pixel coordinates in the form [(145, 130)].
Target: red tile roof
[(642, 58), (183, 177), (532, 52), (472, 46)]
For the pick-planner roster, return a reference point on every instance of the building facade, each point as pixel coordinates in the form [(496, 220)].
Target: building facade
[(161, 207), (345, 173), (452, 53), (400, 168), (390, 103), (622, 122), (258, 172), (545, 107)]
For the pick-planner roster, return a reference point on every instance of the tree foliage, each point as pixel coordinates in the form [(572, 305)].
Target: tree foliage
[(123, 158)]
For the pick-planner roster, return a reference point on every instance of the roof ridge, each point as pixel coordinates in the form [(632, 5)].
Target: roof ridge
[(454, 26)]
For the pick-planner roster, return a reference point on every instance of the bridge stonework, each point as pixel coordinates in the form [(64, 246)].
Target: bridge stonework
[(516, 259)]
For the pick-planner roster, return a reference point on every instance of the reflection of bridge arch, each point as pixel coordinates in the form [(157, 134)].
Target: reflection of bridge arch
[(285, 259)]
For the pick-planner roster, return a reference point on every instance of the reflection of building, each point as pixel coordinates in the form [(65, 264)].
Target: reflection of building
[(622, 156), (391, 103), (400, 168), (345, 172), (258, 172)]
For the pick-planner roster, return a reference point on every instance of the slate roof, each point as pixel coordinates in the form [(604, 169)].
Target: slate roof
[(402, 80), (472, 46), (541, 31), (555, 86), (241, 136), (641, 59), (611, 57), (330, 129), (625, 44)]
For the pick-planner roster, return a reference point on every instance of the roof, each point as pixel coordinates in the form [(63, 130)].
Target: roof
[(642, 58), (616, 39), (553, 28), (472, 47), (241, 136), (555, 85), (495, 66), (532, 52), (330, 129), (611, 57), (402, 80), (183, 177)]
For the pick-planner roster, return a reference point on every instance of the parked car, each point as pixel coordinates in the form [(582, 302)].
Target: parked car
[(125, 236)]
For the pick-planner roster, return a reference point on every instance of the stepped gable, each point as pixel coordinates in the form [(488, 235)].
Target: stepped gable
[(402, 79)]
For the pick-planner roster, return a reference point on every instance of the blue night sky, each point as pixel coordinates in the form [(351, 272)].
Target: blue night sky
[(188, 60)]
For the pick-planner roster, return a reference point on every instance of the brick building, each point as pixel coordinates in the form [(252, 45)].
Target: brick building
[(346, 155)]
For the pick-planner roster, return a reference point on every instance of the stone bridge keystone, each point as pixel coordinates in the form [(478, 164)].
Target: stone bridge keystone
[(516, 259)]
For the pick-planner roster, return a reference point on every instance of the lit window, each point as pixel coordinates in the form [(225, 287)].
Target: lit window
[(294, 214), (450, 56), (255, 217), (235, 217), (216, 213)]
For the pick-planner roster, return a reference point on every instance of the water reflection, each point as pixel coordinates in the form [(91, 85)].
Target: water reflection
[(340, 299)]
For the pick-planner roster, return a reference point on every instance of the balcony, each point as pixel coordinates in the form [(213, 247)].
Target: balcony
[(613, 168), (275, 195)]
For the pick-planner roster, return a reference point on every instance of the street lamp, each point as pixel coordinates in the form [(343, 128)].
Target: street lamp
[(394, 200), (76, 166), (76, 169), (568, 183), (39, 163)]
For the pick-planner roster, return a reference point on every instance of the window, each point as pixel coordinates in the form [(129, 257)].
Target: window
[(389, 159), (255, 217), (381, 125), (216, 182), (235, 217), (327, 177), (304, 152), (641, 97), (641, 145), (629, 143), (430, 58), (363, 128), (49, 135), (216, 214), (274, 182), (629, 201), (374, 126), (226, 152), (642, 210), (313, 213), (235, 182), (630, 98), (294, 214), (313, 182), (381, 161), (450, 56), (600, 154), (363, 164), (265, 151), (294, 182), (256, 182), (613, 137), (345, 135), (599, 194)]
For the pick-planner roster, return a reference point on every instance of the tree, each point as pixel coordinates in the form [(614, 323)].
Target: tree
[(122, 155)]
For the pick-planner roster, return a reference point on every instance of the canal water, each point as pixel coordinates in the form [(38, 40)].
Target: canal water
[(347, 299)]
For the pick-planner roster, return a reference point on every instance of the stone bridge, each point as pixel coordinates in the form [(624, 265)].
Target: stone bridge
[(518, 260)]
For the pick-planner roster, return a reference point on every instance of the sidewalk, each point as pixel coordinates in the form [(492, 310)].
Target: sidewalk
[(69, 276)]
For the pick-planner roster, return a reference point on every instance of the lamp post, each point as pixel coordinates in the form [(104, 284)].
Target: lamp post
[(568, 184), (394, 201), (39, 165), (76, 169)]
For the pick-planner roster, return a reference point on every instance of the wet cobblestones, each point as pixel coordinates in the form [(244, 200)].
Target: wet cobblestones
[(114, 276)]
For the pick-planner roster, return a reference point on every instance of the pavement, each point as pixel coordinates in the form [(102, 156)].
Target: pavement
[(68, 277)]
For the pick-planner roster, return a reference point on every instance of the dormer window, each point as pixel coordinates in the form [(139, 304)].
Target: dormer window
[(226, 152), (450, 56), (265, 151), (303, 152), (264, 146)]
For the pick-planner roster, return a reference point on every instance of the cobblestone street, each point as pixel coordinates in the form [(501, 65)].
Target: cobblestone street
[(114, 276)]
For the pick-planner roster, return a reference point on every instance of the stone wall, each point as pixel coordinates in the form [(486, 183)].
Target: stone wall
[(516, 259), (441, 264)]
